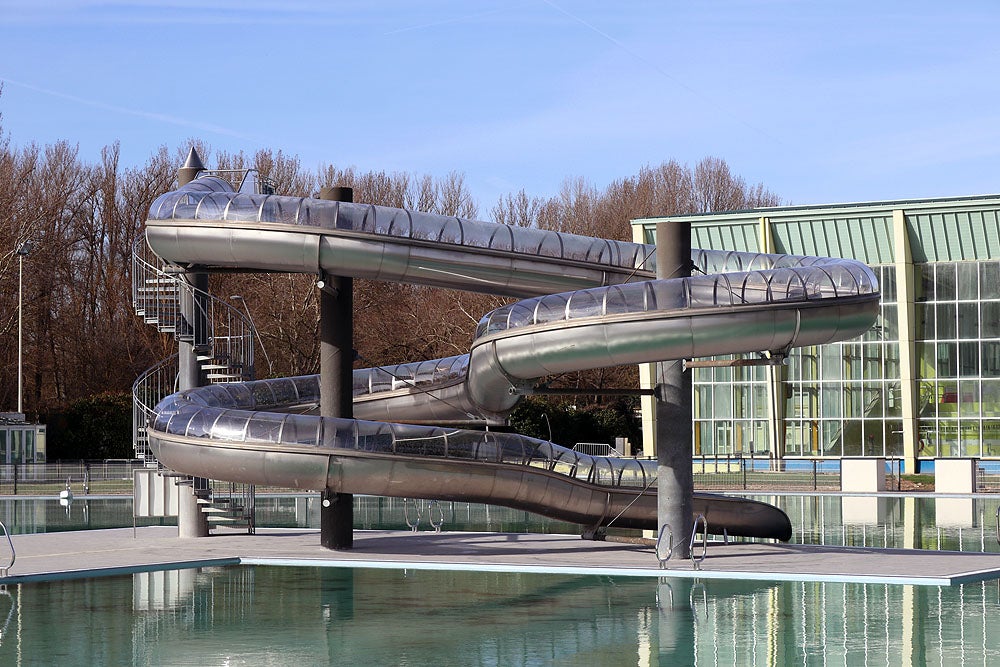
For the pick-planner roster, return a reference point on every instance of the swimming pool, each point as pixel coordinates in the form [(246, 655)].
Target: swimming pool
[(308, 616), (266, 615)]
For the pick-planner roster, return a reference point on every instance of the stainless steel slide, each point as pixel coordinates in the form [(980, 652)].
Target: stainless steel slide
[(590, 303)]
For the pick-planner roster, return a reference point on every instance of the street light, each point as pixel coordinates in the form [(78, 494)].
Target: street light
[(270, 366), (22, 252)]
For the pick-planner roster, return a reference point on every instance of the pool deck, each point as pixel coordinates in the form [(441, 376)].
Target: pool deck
[(91, 553)]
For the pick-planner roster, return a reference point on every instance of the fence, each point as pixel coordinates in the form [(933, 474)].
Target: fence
[(112, 477), (763, 474), (988, 477)]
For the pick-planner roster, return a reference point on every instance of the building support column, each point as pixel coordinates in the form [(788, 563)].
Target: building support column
[(674, 473), (336, 391), (647, 379), (776, 377), (906, 314)]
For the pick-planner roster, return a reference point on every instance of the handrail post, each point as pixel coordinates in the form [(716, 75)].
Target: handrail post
[(704, 543), (668, 532)]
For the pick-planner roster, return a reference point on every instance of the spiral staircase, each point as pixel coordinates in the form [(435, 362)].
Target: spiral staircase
[(222, 340)]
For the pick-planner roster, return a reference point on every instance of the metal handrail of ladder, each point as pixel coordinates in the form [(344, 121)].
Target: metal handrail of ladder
[(5, 569)]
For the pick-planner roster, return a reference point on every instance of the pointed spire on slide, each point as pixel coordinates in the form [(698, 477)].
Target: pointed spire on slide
[(192, 166)]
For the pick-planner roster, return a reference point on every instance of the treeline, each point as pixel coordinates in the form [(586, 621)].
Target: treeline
[(80, 219)]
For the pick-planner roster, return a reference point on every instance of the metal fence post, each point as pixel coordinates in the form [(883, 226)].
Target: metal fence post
[(815, 475)]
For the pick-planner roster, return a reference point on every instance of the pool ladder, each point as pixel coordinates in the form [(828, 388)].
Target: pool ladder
[(5, 569), (665, 551)]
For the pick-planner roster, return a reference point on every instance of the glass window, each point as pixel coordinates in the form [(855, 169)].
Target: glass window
[(853, 400), (968, 398), (968, 281), (925, 321), (893, 438), (830, 396), (944, 283), (968, 321), (831, 361), (873, 361), (968, 359), (991, 399), (887, 284), (946, 316), (990, 367), (927, 356), (925, 282), (703, 401), (890, 323), (872, 400), (989, 280), (990, 319), (947, 360), (723, 406)]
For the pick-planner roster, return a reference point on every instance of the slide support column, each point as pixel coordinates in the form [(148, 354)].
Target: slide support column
[(674, 474), (336, 391)]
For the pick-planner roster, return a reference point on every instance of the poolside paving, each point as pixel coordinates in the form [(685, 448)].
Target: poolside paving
[(116, 551)]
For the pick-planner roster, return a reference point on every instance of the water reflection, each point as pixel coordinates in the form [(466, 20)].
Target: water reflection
[(893, 522), (298, 616)]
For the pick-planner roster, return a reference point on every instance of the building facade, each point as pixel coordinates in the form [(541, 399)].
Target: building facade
[(924, 382), (20, 442)]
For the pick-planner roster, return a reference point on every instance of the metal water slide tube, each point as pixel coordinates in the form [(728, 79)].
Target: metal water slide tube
[(742, 302)]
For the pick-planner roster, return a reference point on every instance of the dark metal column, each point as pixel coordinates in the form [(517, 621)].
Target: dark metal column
[(675, 479), (336, 389)]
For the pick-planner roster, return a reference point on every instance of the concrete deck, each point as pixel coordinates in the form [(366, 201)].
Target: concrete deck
[(91, 553)]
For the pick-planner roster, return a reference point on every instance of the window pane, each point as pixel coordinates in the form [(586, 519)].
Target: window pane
[(968, 359), (968, 321), (991, 359), (968, 281), (947, 360), (925, 321), (989, 280), (944, 283), (946, 315), (925, 282)]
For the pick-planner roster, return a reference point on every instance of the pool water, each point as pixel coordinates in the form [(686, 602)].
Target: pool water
[(310, 616)]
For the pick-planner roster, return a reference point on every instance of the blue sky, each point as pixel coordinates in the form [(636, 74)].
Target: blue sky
[(821, 101)]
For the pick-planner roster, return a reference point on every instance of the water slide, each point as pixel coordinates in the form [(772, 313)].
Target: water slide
[(587, 303)]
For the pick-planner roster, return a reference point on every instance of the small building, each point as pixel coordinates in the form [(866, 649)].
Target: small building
[(20, 442), (924, 382)]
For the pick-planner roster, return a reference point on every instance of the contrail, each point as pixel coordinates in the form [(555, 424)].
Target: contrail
[(149, 115)]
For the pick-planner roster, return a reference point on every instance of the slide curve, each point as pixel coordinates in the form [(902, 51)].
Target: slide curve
[(587, 303)]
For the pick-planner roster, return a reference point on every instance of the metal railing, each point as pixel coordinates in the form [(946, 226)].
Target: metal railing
[(758, 473), (222, 335), (111, 477)]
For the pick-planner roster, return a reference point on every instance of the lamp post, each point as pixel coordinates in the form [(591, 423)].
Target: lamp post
[(260, 341), (22, 252)]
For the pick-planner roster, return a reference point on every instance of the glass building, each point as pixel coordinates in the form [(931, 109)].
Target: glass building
[(924, 382), (20, 442)]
